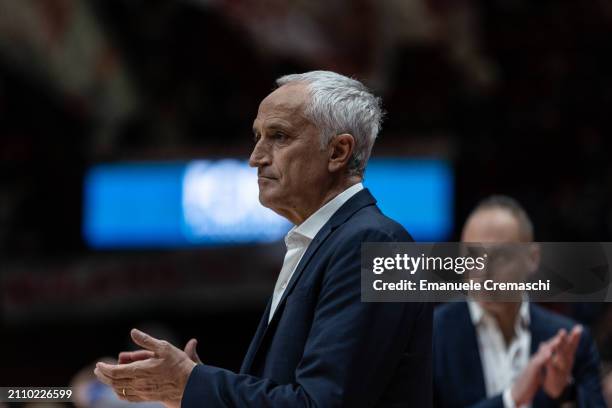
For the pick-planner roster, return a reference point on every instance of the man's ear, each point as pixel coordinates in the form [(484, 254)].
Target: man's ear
[(340, 151), (533, 258)]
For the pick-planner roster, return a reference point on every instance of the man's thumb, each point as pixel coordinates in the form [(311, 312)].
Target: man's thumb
[(190, 350)]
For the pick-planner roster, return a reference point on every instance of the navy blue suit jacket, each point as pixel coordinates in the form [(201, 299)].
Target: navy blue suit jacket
[(324, 347), (458, 375)]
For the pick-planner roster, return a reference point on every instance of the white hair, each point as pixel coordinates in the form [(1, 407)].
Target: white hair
[(338, 105)]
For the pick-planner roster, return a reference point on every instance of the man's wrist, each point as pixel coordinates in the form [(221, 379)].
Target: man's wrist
[(188, 366), (560, 393), (185, 371)]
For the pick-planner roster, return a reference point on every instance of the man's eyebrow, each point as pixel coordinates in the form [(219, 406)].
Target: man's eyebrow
[(275, 126)]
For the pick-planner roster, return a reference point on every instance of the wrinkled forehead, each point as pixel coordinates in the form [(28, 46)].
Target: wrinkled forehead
[(286, 103)]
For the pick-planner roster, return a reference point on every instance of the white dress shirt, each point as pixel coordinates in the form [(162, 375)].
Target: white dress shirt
[(501, 364), (300, 236)]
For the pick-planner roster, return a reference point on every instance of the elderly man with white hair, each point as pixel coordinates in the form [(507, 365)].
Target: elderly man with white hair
[(317, 344)]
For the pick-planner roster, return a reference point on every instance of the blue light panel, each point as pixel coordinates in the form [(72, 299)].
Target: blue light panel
[(204, 202)]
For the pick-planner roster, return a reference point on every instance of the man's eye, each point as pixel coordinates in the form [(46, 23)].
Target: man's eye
[(256, 138), (280, 136)]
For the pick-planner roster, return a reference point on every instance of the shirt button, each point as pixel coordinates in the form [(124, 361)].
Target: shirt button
[(284, 285)]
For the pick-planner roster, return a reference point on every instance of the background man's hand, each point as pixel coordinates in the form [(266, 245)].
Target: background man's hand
[(160, 376), (559, 367), (532, 377)]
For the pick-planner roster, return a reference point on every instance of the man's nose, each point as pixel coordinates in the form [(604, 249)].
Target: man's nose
[(259, 155)]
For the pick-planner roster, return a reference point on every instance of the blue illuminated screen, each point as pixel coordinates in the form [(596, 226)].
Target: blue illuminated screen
[(206, 202)]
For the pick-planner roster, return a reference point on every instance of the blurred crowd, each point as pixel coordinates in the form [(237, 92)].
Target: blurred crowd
[(515, 93)]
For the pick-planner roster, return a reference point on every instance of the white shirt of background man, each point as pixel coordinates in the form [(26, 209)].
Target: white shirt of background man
[(501, 364)]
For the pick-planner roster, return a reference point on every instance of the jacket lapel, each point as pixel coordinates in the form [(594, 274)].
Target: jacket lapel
[(466, 349), (541, 331), (250, 354), (355, 203), (537, 327), (361, 199)]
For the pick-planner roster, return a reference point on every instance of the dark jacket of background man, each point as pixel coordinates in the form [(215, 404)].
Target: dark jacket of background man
[(458, 376)]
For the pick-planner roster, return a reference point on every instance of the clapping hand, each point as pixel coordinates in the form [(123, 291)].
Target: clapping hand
[(559, 367), (549, 368), (159, 372)]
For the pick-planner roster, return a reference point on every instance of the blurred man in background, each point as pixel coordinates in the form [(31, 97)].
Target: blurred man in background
[(317, 344), (510, 354)]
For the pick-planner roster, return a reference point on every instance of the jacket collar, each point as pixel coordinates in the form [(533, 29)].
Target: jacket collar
[(313, 224), (361, 199)]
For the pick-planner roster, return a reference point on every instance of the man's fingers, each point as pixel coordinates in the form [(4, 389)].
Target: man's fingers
[(543, 355), (119, 371), (112, 372), (126, 357), (122, 383), (553, 345), (127, 389), (558, 364), (560, 339), (564, 358), (574, 339), (118, 383), (548, 349), (102, 377), (145, 341), (128, 394)]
